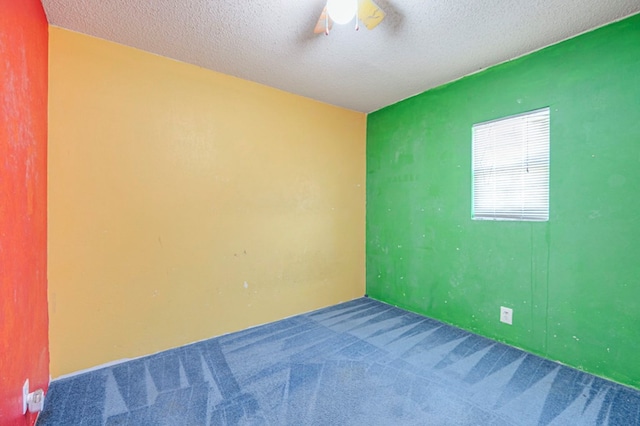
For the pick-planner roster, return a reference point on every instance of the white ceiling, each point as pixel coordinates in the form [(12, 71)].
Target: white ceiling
[(420, 45)]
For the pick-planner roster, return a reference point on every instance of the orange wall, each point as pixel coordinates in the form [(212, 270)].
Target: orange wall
[(184, 203), (23, 205)]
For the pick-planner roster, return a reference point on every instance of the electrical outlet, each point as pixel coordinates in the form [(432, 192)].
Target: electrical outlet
[(506, 315), (36, 401)]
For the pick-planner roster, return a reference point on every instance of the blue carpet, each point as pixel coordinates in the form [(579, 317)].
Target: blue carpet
[(358, 363)]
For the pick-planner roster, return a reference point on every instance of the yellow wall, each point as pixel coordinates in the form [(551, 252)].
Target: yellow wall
[(171, 186)]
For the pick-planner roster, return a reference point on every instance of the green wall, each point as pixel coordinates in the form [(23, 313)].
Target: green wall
[(574, 281)]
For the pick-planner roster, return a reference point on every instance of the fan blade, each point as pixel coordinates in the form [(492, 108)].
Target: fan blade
[(370, 14), (321, 25)]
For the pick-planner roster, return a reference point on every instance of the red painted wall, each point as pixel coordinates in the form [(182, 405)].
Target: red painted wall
[(24, 347)]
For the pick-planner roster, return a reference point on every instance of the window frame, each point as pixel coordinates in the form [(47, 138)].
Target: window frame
[(510, 167)]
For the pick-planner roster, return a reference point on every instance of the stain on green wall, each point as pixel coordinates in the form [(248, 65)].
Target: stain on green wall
[(573, 282)]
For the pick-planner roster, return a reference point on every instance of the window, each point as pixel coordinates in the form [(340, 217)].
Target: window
[(511, 168)]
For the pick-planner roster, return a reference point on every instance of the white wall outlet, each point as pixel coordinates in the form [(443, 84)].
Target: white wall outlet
[(36, 401), (25, 396), (506, 315)]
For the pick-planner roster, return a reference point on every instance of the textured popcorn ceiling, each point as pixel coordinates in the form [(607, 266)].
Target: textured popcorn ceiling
[(421, 44)]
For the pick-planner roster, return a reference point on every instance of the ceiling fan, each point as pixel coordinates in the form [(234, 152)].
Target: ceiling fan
[(343, 12)]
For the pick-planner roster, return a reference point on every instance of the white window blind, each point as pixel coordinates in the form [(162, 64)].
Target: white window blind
[(511, 168)]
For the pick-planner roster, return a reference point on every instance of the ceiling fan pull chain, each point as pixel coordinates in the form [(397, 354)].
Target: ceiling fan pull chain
[(326, 23), (357, 10)]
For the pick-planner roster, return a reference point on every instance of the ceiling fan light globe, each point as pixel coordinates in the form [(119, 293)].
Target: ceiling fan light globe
[(342, 11)]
